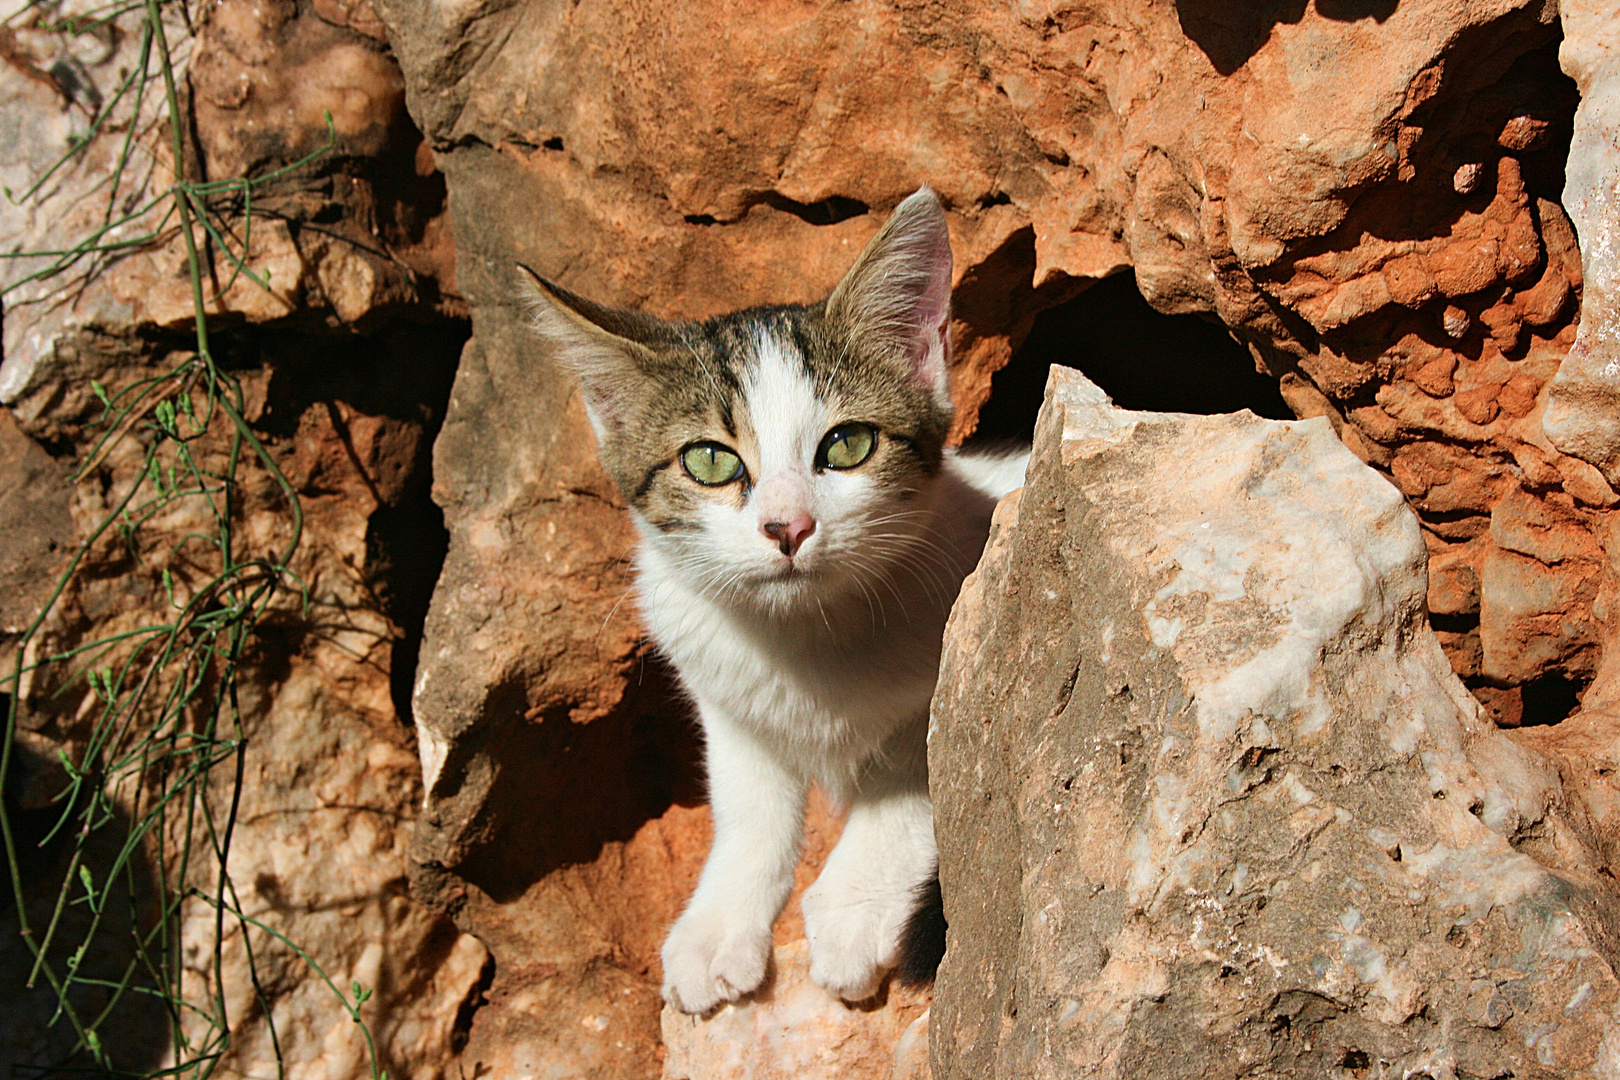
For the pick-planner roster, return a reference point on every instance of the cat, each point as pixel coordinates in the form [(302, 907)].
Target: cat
[(803, 531)]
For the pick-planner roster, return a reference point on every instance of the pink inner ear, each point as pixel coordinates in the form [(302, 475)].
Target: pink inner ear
[(931, 348)]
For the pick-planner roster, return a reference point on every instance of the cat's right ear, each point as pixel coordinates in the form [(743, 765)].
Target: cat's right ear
[(581, 337)]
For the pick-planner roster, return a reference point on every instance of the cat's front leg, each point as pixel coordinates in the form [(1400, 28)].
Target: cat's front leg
[(854, 912), (717, 950)]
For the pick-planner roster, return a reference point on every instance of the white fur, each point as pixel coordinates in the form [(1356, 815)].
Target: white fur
[(812, 669)]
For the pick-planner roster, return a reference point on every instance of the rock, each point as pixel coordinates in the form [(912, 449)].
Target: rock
[(41, 120), (37, 525), (1210, 800), (263, 77), (795, 1029), (344, 364), (1584, 399)]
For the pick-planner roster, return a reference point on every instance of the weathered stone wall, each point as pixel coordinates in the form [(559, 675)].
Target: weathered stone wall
[(1369, 196)]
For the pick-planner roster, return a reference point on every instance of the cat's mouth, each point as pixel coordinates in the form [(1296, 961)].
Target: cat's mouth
[(788, 571)]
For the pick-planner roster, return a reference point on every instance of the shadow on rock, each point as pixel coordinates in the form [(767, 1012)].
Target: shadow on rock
[(110, 981)]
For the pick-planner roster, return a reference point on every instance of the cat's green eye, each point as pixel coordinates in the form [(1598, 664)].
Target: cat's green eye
[(711, 464), (847, 446)]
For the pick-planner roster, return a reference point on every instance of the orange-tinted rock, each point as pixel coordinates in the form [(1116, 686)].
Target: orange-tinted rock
[(1518, 396), (1585, 748), (1455, 320), (1479, 404), (1464, 267), (1454, 579), (1409, 282), (1433, 376), (1505, 323), (1550, 530), (1522, 133), (1535, 618), (1543, 302)]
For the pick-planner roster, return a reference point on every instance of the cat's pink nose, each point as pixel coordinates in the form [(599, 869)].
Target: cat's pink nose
[(790, 534)]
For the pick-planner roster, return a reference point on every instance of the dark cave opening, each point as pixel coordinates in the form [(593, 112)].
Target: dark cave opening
[(1141, 358), (1550, 698)]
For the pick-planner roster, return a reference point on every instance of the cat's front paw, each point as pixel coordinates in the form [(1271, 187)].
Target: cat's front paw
[(853, 941), (708, 961)]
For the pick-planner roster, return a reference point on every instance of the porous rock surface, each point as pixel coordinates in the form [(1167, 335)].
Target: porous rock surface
[(1383, 229), (1212, 803)]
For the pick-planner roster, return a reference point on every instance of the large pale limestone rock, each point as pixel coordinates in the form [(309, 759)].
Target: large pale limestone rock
[(1210, 800), (1583, 410)]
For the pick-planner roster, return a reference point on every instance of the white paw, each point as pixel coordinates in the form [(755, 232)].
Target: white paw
[(709, 961), (853, 941)]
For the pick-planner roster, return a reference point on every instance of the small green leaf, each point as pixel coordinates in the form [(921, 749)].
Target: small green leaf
[(101, 392)]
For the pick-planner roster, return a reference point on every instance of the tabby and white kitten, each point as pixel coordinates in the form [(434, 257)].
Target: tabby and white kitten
[(804, 531)]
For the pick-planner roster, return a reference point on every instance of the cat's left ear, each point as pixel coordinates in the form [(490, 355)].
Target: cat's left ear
[(896, 299), (596, 343)]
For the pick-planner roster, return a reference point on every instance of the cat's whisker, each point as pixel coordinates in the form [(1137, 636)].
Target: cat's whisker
[(609, 617), (824, 620), (884, 578), (879, 576)]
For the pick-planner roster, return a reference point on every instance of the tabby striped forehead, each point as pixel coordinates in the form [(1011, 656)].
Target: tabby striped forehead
[(768, 384)]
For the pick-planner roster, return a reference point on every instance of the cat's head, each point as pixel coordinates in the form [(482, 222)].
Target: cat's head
[(778, 456)]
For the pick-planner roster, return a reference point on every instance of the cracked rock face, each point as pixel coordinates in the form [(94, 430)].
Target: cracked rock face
[(1210, 799)]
